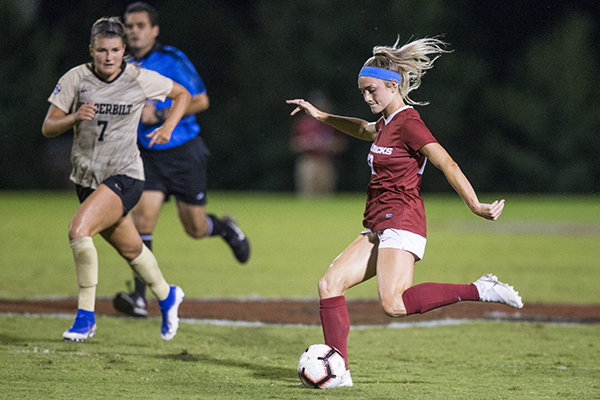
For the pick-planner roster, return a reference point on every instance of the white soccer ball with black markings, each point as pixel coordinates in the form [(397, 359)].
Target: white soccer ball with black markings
[(321, 367)]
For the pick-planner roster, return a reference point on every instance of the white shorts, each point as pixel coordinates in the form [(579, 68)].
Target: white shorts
[(402, 240)]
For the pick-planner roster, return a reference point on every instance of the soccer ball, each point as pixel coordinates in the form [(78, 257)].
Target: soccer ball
[(321, 367)]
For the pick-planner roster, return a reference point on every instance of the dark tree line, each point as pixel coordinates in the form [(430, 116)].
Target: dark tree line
[(514, 103)]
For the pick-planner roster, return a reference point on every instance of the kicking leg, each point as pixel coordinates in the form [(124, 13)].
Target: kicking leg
[(398, 298), (397, 295)]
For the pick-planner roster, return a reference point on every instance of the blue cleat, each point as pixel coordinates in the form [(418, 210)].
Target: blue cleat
[(169, 308), (83, 328)]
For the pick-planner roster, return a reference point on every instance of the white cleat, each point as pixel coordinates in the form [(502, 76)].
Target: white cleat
[(346, 380), (491, 289)]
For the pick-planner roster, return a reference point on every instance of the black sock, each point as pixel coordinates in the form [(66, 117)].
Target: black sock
[(140, 286), (219, 228)]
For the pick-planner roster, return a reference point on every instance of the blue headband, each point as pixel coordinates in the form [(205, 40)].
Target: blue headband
[(380, 73)]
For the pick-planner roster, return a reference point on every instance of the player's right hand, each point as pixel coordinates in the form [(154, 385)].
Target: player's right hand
[(160, 135), (306, 106), (86, 112)]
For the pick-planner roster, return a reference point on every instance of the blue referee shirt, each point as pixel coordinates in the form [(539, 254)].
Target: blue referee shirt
[(172, 63)]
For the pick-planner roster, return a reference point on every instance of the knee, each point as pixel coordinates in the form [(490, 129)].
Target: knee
[(130, 251), (77, 230), (323, 288), (393, 305), (328, 288)]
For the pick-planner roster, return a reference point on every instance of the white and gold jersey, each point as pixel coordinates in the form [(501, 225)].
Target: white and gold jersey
[(107, 144)]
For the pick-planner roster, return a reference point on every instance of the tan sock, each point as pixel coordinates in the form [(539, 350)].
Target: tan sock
[(146, 267), (86, 270)]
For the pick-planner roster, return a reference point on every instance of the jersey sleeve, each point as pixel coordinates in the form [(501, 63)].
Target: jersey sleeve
[(154, 85), (417, 134), (65, 91), (188, 77)]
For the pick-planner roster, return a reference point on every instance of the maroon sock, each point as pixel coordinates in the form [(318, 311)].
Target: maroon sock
[(336, 323), (427, 296)]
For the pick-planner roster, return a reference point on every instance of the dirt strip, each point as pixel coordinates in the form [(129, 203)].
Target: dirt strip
[(362, 312)]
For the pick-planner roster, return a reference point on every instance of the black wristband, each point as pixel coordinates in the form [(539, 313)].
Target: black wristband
[(160, 114)]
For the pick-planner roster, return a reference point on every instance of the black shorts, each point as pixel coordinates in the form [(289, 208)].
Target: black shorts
[(128, 189), (179, 171)]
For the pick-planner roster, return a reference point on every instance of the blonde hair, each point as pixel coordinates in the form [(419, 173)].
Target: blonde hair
[(411, 61)]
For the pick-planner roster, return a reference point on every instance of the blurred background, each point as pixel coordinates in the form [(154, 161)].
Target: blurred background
[(516, 103)]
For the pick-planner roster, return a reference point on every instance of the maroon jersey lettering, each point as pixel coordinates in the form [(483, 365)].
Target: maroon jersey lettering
[(394, 192)]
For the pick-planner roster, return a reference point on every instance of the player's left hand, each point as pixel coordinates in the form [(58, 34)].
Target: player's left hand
[(489, 211), (159, 136)]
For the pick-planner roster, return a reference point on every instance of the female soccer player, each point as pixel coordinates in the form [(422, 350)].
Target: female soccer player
[(102, 101), (394, 218)]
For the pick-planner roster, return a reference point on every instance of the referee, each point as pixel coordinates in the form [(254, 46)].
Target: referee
[(178, 167)]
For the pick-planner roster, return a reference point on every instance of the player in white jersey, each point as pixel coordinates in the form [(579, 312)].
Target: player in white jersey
[(102, 102)]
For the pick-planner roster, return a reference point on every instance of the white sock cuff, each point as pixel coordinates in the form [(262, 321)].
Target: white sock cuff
[(78, 243), (146, 268), (142, 255)]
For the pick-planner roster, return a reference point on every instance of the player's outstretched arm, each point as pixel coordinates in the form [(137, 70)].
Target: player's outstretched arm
[(57, 121), (181, 100), (442, 160), (359, 128)]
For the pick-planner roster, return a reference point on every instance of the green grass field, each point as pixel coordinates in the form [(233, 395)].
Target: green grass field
[(547, 247), (294, 241)]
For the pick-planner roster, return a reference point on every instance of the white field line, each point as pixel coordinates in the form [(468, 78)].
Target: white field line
[(258, 324)]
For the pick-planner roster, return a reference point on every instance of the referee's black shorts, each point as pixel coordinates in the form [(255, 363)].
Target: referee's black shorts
[(179, 171)]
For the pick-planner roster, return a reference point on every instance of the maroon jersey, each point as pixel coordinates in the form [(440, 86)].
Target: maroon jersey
[(394, 192)]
